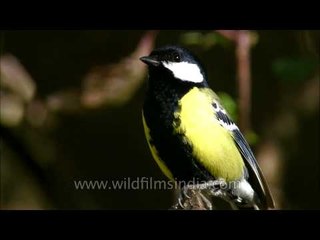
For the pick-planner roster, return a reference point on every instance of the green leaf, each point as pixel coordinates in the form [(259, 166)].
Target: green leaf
[(191, 38), (232, 108), (219, 39), (229, 104), (294, 70), (204, 40), (252, 137)]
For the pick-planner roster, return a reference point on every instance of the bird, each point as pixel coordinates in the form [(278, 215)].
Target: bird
[(190, 134)]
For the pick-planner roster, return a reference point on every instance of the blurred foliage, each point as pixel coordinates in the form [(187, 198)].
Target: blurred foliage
[(232, 108), (205, 40), (229, 104), (294, 70), (71, 110), (252, 137)]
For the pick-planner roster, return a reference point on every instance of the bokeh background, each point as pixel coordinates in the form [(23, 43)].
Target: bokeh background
[(71, 110)]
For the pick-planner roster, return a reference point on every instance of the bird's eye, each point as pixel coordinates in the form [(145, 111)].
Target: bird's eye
[(176, 57)]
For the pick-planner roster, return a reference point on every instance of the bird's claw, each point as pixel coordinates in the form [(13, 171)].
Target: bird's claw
[(185, 190), (183, 196)]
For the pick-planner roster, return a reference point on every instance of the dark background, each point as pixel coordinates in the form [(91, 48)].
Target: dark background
[(50, 147)]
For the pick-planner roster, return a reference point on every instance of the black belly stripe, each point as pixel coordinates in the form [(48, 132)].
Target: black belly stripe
[(173, 151)]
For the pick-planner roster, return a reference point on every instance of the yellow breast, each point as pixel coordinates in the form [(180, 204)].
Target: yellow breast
[(212, 144)]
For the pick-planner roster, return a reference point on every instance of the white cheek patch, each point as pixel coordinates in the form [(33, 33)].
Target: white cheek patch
[(185, 71)]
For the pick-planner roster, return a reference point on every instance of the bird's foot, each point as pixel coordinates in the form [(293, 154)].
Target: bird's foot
[(191, 197), (219, 188)]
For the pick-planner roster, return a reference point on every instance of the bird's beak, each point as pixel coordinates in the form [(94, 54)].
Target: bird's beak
[(151, 61)]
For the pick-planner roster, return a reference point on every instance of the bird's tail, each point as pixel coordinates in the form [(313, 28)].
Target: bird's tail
[(254, 205)]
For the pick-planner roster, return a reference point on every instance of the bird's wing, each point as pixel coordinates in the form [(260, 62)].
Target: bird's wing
[(255, 177)]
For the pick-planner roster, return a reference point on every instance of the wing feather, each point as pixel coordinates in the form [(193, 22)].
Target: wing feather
[(255, 175)]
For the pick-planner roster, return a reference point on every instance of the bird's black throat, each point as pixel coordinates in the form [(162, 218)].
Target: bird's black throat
[(162, 100)]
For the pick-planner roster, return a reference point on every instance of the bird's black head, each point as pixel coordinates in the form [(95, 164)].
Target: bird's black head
[(177, 61)]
